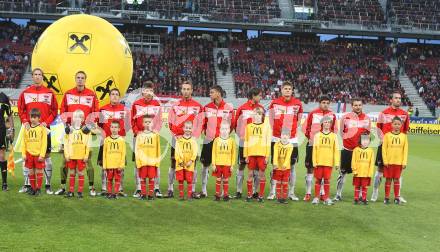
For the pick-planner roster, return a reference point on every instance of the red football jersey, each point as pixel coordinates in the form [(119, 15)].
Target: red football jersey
[(84, 100), (352, 127), (39, 97), (243, 116), (182, 111), (385, 118), (110, 113), (313, 123), (213, 117), (285, 114), (143, 107)]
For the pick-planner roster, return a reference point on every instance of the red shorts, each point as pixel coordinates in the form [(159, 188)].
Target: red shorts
[(222, 171), (33, 163), (147, 172), (322, 172), (257, 163), (76, 163), (392, 171), (361, 181), (281, 175), (184, 175)]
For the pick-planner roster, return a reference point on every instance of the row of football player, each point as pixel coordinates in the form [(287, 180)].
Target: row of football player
[(257, 150), (284, 112)]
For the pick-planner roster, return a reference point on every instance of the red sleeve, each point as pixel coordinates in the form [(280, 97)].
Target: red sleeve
[(158, 119), (342, 125), (379, 125), (53, 111), (233, 120), (406, 126), (237, 117), (334, 126), (308, 125), (133, 119), (64, 109), (300, 115), (22, 110), (201, 122), (95, 108), (271, 115), (171, 119)]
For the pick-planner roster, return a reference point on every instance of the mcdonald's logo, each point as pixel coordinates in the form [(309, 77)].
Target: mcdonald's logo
[(187, 146), (224, 146), (325, 141), (32, 134), (77, 137), (257, 131), (148, 140), (395, 141), (282, 152), (114, 146), (363, 155)]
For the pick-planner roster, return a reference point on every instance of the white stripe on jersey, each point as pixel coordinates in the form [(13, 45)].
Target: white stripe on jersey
[(349, 123), (43, 97), (113, 114), (183, 110), (146, 110), (290, 110), (80, 100)]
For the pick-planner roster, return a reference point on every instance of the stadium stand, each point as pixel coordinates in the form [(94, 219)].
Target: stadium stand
[(422, 65), (221, 10), (364, 12), (183, 58), (16, 45), (420, 14), (342, 69)]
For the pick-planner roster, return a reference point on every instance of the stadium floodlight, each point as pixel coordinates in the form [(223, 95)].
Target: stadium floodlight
[(135, 1)]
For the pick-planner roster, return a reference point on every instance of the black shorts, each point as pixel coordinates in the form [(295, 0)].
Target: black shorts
[(100, 154), (241, 158), (308, 162), (49, 144), (206, 155), (293, 158), (379, 159), (346, 156), (3, 141)]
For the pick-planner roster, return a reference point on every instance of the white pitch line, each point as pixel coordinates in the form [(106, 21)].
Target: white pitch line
[(18, 160)]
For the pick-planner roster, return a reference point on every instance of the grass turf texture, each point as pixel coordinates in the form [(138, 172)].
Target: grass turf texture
[(54, 223)]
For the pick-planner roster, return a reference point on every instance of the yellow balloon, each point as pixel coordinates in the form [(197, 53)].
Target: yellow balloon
[(87, 43)]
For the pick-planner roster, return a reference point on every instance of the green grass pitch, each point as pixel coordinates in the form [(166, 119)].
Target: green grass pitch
[(53, 223)]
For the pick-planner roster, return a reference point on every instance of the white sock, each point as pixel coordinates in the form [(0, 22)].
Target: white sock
[(292, 180), (171, 176), (103, 180), (205, 174), (137, 179), (309, 179), (48, 171), (272, 184), (121, 186), (157, 180), (194, 182), (400, 181), (321, 191), (377, 179), (340, 184), (256, 182), (240, 176), (26, 176)]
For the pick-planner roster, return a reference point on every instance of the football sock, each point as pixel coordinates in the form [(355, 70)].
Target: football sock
[(387, 188), (217, 187), (190, 190), (225, 188), (48, 171), (4, 170), (292, 180), (171, 175), (249, 188), (32, 181), (157, 180), (284, 189), (72, 182), (151, 187), (240, 175), (144, 187), (117, 180), (80, 183), (396, 188), (205, 175), (317, 187), (364, 193), (309, 179), (278, 186), (194, 181), (39, 180), (326, 189), (181, 189), (262, 186), (356, 192), (340, 183)]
